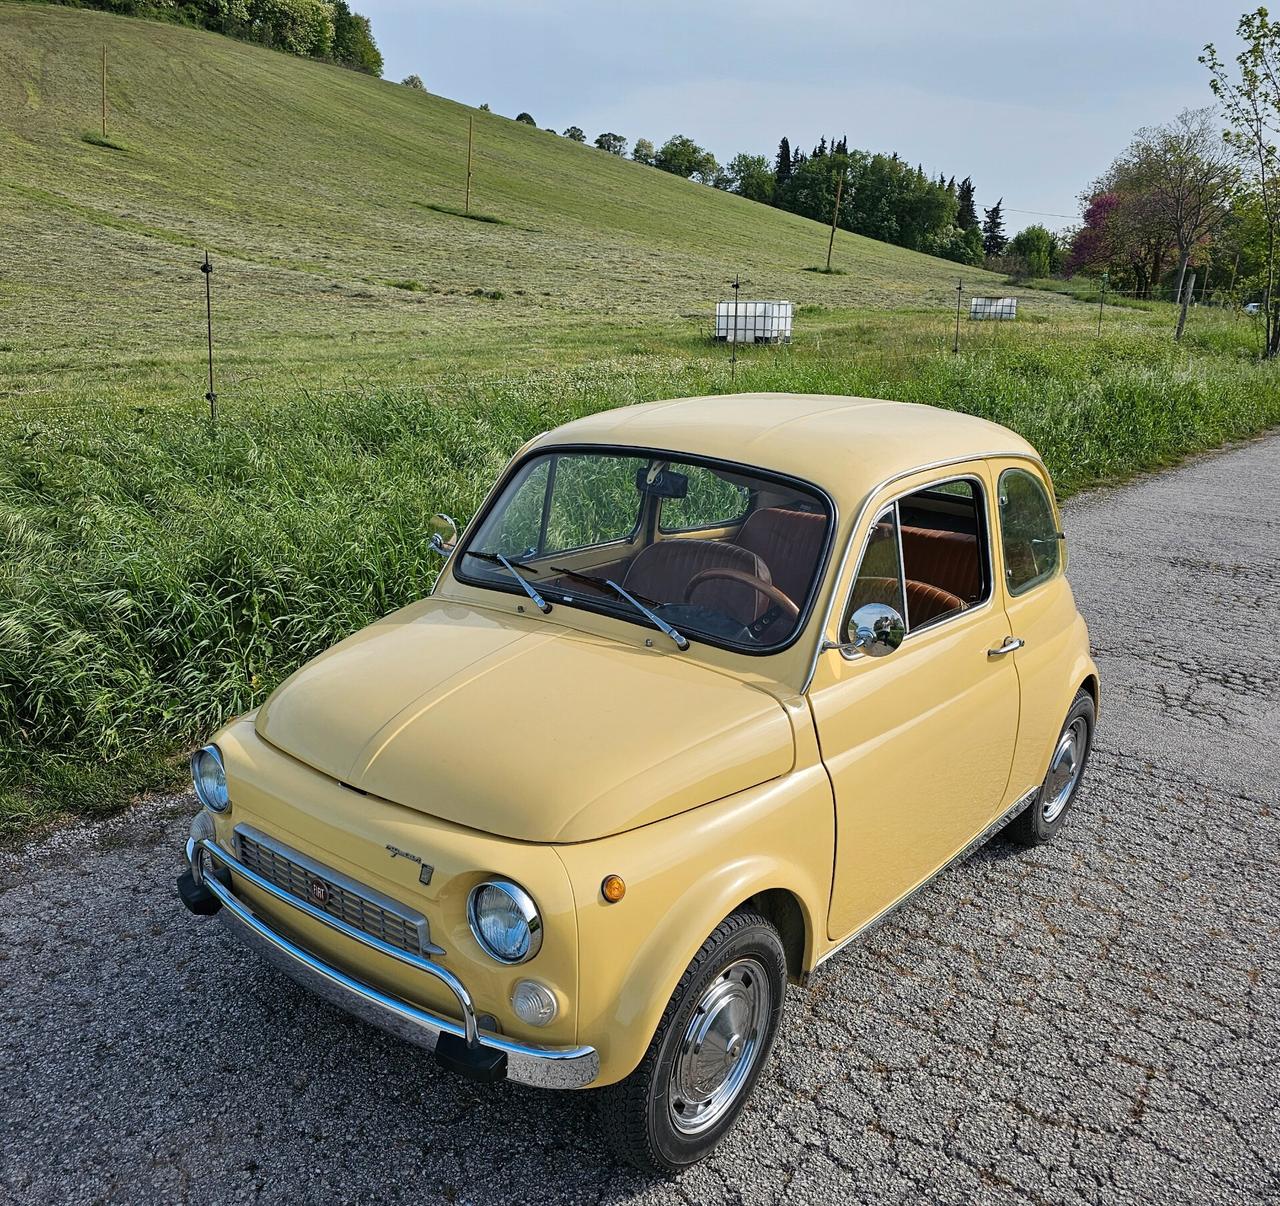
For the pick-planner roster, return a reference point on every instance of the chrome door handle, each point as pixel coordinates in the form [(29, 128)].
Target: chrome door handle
[(1010, 644)]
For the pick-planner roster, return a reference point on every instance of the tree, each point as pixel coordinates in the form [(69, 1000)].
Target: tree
[(1190, 174), (966, 211), (643, 152), (414, 81), (681, 156), (526, 118), (1250, 100), (353, 44), (1034, 249), (302, 27), (782, 166), (614, 144), (575, 134), (751, 176), (993, 240)]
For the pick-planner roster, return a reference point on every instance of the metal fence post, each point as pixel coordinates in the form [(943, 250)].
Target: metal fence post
[(210, 396), (955, 348)]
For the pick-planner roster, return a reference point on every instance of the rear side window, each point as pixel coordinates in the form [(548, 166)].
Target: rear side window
[(712, 501), (1028, 531)]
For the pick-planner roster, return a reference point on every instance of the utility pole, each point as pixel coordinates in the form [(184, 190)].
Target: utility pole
[(104, 90), (211, 397), (955, 348), (470, 135), (835, 217)]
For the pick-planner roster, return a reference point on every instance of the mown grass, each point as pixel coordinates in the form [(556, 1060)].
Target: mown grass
[(315, 189), (160, 575)]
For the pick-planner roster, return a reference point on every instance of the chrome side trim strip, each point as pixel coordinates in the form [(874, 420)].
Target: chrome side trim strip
[(544, 1067), (989, 832), (862, 517)]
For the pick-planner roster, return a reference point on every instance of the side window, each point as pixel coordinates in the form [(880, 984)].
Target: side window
[(1028, 531), (711, 502), (593, 501), (927, 555), (879, 577), (944, 550)]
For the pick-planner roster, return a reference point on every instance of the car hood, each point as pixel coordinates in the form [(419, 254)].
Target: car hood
[(520, 727)]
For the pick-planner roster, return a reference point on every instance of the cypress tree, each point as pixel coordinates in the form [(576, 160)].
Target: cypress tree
[(782, 165), (993, 240), (967, 213)]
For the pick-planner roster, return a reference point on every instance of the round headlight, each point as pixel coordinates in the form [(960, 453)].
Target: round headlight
[(505, 921), (209, 778)]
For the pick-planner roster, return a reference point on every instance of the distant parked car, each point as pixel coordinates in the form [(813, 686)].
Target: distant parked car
[(705, 690), (1253, 307)]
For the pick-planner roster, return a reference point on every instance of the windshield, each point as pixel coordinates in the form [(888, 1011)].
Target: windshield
[(717, 552)]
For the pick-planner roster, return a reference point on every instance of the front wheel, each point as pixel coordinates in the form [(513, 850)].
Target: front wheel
[(1043, 817), (714, 1038)]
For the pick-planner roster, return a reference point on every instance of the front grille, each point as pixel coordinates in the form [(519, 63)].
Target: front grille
[(336, 894)]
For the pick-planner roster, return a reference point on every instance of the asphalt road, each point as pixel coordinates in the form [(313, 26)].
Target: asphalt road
[(1096, 1021)]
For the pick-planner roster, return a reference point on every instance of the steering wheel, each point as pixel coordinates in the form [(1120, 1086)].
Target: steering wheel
[(733, 575)]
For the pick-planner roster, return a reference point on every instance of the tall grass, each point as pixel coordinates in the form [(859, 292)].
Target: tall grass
[(159, 575)]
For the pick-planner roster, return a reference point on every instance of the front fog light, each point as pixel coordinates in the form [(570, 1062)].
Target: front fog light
[(209, 778), (534, 1003)]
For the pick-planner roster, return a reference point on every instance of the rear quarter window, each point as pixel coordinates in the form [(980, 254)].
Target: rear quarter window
[(1028, 531)]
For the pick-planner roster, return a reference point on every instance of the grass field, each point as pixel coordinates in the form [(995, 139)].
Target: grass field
[(323, 197), (380, 357)]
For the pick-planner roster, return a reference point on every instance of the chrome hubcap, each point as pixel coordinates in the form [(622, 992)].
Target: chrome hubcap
[(719, 1047), (1064, 770)]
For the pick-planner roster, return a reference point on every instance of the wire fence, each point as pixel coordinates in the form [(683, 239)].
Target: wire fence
[(732, 320)]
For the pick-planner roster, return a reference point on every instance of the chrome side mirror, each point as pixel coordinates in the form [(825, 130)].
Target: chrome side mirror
[(444, 534), (874, 629)]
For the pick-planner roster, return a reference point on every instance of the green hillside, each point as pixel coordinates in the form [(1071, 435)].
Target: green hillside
[(313, 188)]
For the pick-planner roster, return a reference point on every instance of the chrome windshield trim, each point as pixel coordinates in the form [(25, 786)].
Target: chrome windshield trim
[(527, 1063), (867, 503)]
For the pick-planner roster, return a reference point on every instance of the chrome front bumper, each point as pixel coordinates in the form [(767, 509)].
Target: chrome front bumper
[(545, 1067)]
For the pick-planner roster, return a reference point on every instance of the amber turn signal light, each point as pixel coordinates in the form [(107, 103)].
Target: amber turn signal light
[(613, 889)]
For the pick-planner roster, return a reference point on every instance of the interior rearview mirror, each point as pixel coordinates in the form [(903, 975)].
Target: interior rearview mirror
[(444, 534), (875, 629)]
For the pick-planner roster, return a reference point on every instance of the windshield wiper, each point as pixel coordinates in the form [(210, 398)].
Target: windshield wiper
[(525, 585), (599, 583), (681, 641), (609, 584)]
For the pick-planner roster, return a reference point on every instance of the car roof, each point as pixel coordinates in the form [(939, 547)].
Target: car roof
[(845, 445)]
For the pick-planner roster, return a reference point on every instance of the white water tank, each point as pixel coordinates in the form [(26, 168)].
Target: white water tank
[(754, 321)]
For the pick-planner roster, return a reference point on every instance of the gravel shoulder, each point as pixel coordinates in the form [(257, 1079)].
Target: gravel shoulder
[(1093, 1021)]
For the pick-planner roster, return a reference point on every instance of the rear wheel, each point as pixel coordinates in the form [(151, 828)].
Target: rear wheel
[(714, 1038), (1043, 817)]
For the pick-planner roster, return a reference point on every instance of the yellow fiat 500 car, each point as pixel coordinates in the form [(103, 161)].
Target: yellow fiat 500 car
[(705, 689)]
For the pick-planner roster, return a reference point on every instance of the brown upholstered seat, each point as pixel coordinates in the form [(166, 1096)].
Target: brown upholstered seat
[(924, 602), (949, 560), (789, 543), (664, 570)]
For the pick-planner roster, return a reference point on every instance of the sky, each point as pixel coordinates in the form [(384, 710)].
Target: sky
[(1032, 99)]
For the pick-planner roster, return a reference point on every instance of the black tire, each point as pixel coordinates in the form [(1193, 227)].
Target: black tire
[(637, 1114), (1041, 820)]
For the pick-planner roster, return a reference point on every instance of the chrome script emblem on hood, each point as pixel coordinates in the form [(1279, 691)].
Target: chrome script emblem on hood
[(425, 870)]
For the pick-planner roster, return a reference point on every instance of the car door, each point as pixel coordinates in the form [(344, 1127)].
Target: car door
[(918, 744)]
